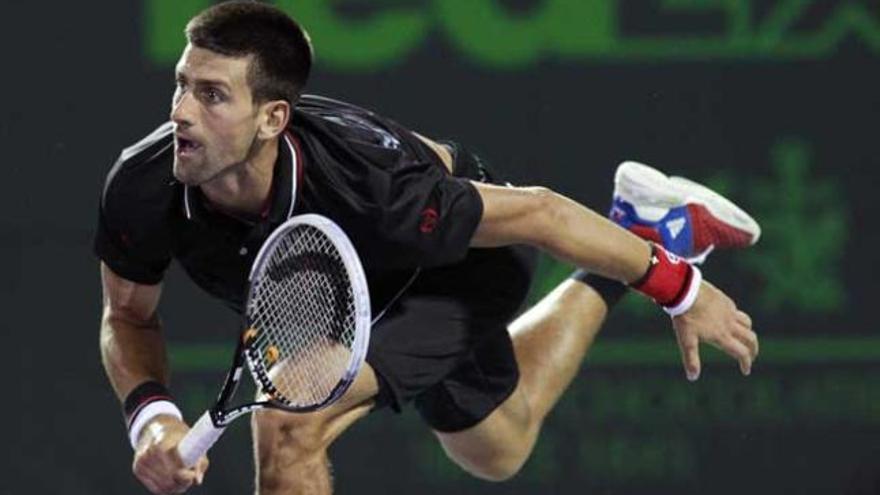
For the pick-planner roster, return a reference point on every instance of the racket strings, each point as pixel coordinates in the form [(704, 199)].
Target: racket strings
[(304, 312)]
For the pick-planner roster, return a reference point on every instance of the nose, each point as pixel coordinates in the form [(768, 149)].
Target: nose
[(182, 109)]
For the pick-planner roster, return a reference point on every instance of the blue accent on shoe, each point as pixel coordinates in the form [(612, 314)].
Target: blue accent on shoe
[(676, 221)]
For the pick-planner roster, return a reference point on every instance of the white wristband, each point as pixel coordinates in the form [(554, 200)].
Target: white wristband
[(690, 297), (147, 414)]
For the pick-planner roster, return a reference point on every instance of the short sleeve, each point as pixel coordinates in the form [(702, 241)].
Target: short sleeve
[(428, 219), (392, 195), (129, 238), (399, 212), (114, 247)]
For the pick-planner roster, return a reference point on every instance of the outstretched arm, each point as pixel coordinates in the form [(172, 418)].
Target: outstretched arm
[(573, 233), (561, 227)]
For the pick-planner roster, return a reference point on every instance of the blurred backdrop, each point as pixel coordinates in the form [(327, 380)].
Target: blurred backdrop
[(773, 102)]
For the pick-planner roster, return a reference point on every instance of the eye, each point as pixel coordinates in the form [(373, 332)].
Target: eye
[(212, 95)]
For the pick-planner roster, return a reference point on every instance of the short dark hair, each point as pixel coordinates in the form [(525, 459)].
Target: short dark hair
[(281, 49)]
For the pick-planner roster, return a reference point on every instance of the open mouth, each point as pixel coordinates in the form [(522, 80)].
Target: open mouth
[(185, 146)]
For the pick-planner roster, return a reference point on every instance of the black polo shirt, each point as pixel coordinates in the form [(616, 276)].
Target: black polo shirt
[(390, 193)]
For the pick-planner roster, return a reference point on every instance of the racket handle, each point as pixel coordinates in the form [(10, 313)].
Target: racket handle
[(199, 439)]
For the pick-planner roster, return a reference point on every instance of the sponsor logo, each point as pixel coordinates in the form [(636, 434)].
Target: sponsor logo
[(429, 220), (675, 227), (492, 34)]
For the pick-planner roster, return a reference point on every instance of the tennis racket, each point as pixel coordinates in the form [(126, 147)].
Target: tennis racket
[(306, 327)]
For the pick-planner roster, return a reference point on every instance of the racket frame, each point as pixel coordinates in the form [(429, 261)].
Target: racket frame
[(246, 353), (211, 425), (360, 293)]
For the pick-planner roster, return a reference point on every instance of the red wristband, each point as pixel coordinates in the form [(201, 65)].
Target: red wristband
[(667, 280)]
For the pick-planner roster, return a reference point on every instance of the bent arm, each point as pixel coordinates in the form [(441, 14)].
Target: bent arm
[(132, 346), (563, 228)]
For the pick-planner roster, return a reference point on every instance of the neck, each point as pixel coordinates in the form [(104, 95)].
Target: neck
[(244, 190)]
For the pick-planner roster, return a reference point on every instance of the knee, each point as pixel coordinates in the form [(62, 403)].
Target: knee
[(496, 448), (493, 461), (498, 466)]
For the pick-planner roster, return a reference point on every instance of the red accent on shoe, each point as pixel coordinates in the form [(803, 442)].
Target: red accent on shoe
[(646, 233), (708, 231)]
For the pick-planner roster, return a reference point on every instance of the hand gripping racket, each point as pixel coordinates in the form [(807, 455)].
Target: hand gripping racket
[(306, 327)]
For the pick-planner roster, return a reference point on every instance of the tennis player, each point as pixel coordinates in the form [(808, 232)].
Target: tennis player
[(448, 250)]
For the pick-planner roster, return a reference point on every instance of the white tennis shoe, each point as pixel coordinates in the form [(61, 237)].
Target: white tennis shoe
[(687, 218)]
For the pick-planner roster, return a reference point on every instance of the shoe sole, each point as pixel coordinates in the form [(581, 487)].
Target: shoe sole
[(655, 193)]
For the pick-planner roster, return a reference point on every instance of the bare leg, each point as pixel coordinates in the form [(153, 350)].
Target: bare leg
[(550, 341), (291, 449)]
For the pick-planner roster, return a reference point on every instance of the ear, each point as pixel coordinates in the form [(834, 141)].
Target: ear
[(274, 117)]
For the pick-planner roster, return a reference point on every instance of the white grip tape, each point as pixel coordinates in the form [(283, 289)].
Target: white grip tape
[(690, 298), (147, 414), (199, 439)]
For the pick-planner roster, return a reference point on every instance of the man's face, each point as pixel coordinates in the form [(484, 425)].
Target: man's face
[(215, 120)]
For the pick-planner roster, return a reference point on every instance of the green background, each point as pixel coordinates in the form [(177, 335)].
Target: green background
[(775, 103)]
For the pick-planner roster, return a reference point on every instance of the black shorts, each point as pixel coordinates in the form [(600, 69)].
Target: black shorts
[(444, 344)]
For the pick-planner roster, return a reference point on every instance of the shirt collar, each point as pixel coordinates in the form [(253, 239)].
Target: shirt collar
[(283, 192)]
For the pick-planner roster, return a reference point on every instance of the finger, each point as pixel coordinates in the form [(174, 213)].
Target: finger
[(183, 479), (153, 482), (147, 476), (172, 485), (743, 318), (151, 485), (689, 345), (201, 468), (750, 340), (178, 477), (740, 352), (164, 480)]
